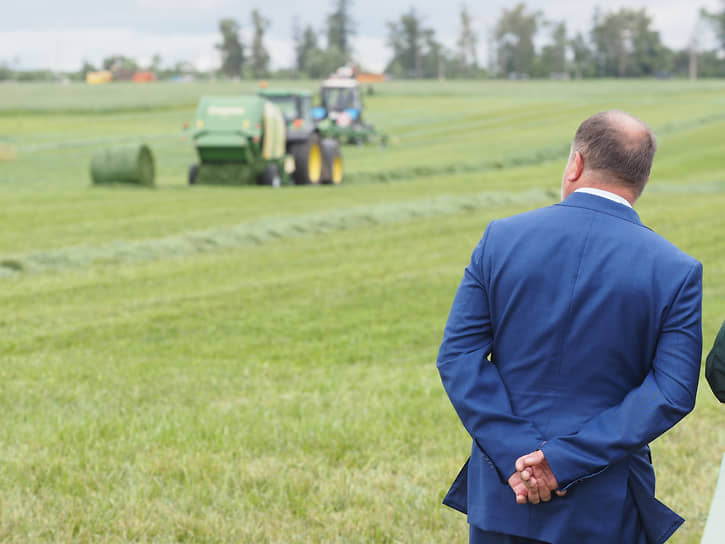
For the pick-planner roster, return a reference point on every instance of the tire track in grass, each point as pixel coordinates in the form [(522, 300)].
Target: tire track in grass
[(261, 232)]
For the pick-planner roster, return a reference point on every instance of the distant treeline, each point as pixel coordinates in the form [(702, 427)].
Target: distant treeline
[(619, 43)]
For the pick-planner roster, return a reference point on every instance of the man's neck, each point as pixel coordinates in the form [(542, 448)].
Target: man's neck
[(596, 180), (604, 193)]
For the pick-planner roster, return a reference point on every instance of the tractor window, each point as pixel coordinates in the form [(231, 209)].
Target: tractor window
[(305, 108), (287, 105), (339, 99)]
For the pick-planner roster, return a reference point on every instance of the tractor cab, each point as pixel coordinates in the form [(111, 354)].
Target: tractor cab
[(296, 107), (340, 101)]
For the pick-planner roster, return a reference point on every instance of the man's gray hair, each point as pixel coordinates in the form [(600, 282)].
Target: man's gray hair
[(619, 144)]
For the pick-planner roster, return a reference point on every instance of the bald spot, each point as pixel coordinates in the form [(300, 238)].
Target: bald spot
[(617, 148), (632, 130)]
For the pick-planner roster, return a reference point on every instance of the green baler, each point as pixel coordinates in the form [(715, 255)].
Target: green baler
[(240, 141)]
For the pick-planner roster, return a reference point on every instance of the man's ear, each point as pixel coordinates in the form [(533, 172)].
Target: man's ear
[(575, 167)]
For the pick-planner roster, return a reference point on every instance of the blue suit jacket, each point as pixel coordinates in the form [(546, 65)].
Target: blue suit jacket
[(593, 327)]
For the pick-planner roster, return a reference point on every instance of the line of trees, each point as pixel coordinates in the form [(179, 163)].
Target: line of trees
[(235, 60), (313, 60), (621, 43), (417, 53)]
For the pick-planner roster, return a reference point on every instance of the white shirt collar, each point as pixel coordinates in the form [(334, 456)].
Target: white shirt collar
[(604, 194)]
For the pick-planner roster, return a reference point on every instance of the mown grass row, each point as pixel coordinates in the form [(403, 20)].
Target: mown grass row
[(261, 232)]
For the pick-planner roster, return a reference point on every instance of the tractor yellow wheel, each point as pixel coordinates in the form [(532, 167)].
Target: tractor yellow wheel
[(337, 170), (332, 168), (314, 163)]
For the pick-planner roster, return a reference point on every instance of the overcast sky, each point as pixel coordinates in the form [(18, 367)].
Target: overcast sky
[(60, 34)]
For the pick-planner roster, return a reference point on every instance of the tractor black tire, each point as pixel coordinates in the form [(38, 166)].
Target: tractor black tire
[(271, 176), (193, 173), (308, 161), (332, 169)]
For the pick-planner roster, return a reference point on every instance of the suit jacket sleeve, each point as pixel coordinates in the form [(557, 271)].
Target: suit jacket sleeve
[(715, 366), (665, 396), (473, 383)]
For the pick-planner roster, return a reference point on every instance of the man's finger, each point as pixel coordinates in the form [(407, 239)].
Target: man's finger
[(534, 458), (519, 489), (544, 494), (560, 493), (545, 478), (520, 464), (521, 494)]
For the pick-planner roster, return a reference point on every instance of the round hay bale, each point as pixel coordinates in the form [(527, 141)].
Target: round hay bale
[(124, 164)]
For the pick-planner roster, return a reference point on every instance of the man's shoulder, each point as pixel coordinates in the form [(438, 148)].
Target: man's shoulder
[(669, 249), (533, 222), (558, 218), (662, 248), (532, 216)]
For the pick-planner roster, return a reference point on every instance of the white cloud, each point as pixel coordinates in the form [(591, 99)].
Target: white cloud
[(281, 51), (371, 52), (66, 49)]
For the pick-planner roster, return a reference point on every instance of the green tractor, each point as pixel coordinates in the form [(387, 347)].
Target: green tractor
[(305, 137), (339, 115), (242, 140)]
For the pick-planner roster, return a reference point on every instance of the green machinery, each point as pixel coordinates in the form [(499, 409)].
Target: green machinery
[(303, 134), (339, 114), (242, 140)]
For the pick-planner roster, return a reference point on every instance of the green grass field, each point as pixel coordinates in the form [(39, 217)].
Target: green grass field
[(215, 364)]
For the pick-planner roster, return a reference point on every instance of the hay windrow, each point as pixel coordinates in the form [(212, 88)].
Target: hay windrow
[(269, 230), (262, 232), (558, 152)]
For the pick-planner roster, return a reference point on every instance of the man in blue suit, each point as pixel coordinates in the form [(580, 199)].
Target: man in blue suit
[(573, 341)]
